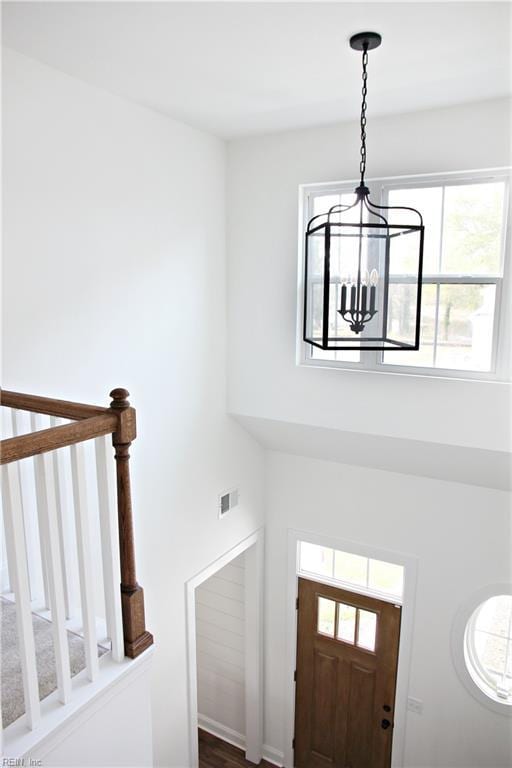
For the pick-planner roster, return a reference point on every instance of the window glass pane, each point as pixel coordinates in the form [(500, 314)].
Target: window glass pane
[(386, 577), (495, 616), (465, 325), (428, 201), (322, 203), (350, 568), (366, 630), (316, 559), (473, 219), (402, 305), (489, 647), (491, 652), (346, 622), (316, 257), (326, 615), (402, 314)]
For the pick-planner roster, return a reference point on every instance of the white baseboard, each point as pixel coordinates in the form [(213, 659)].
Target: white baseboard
[(270, 754), (221, 731), (273, 756)]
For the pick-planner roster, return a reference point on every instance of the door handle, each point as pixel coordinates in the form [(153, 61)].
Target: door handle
[(385, 724)]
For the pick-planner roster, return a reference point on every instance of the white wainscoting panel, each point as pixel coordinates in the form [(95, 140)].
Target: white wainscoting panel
[(220, 639)]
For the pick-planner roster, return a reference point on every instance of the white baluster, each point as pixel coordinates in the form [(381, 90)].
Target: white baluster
[(30, 520), (49, 533), (85, 562), (5, 577), (107, 496), (7, 431), (35, 426), (63, 523), (17, 555)]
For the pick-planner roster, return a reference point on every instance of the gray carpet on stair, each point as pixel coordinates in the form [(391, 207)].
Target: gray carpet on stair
[(13, 705)]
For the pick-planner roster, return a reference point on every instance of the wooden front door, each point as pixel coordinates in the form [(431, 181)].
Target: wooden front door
[(347, 655)]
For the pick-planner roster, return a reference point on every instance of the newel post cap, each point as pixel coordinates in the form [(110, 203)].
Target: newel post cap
[(120, 399)]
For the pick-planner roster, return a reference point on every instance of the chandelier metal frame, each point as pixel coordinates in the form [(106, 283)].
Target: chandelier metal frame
[(359, 302)]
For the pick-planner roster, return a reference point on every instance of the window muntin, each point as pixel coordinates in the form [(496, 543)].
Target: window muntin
[(354, 572), (488, 648), (465, 223)]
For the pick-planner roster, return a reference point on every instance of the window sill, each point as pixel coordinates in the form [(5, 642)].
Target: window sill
[(483, 378)]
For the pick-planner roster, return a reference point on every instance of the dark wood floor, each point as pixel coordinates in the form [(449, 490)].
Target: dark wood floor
[(215, 753)]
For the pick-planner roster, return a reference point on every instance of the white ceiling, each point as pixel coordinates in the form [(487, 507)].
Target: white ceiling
[(239, 68)]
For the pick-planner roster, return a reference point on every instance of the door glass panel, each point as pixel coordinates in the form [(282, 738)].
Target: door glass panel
[(366, 630), (346, 623), (326, 616)]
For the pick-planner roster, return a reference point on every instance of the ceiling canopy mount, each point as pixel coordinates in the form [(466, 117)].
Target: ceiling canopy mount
[(365, 41)]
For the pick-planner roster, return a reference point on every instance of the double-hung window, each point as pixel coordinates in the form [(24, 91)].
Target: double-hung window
[(464, 321)]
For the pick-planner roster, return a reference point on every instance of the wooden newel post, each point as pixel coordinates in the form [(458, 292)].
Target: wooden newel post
[(136, 638)]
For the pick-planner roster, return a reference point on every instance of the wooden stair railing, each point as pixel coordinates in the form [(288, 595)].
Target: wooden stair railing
[(89, 422)]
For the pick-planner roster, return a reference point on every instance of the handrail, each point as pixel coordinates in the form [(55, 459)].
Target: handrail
[(49, 406), (91, 421), (34, 443)]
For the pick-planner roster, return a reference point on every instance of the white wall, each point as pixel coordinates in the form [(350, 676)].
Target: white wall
[(220, 643), (263, 178), (113, 729), (114, 275), (461, 536)]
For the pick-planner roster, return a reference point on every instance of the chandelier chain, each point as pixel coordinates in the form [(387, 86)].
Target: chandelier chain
[(364, 91)]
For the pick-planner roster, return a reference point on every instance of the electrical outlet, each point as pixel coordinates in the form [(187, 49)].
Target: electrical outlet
[(415, 705)]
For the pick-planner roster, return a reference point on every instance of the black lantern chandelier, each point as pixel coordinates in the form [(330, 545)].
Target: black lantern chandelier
[(363, 264)]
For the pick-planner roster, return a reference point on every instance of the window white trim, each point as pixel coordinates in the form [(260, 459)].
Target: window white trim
[(349, 586), (410, 565), (458, 643), (501, 360)]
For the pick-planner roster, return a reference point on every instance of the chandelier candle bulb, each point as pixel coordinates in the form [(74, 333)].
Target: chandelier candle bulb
[(343, 305), (353, 297), (364, 291), (374, 279), (373, 292)]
